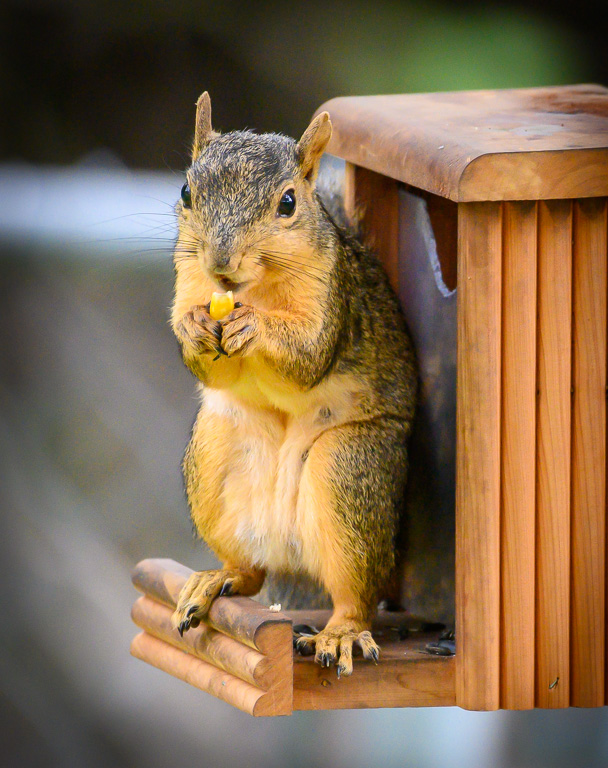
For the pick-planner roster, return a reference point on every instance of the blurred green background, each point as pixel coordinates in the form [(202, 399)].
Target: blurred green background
[(95, 407)]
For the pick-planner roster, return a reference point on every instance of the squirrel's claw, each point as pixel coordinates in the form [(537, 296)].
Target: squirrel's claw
[(198, 332), (335, 646), (183, 627), (368, 646), (326, 659), (201, 589), (220, 352)]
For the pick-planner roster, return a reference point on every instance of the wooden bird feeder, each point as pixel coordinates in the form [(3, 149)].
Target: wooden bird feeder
[(516, 186)]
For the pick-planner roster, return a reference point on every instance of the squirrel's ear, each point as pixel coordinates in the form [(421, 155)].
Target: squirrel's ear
[(312, 145), (203, 133)]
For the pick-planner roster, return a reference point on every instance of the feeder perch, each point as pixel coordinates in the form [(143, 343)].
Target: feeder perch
[(244, 654)]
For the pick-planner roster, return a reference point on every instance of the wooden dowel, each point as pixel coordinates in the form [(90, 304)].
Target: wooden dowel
[(241, 618), (205, 643), (160, 578), (478, 456), (518, 486), (553, 453), (198, 673), (589, 455)]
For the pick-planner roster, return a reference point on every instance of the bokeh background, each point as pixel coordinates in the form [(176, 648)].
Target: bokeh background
[(95, 407)]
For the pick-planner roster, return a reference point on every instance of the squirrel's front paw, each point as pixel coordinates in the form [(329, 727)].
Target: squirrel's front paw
[(334, 645), (199, 332), (240, 330)]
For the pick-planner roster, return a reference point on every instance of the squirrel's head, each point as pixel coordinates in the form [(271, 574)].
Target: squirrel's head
[(248, 209)]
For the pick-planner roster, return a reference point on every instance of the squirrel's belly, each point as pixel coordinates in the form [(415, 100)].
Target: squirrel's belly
[(261, 486), (259, 490), (261, 498)]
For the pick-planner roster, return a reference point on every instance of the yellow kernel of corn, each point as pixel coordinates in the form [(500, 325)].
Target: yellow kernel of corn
[(221, 305)]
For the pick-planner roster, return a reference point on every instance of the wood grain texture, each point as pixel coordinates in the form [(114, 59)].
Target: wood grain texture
[(372, 202), (242, 639), (244, 619), (406, 675), (478, 456), (588, 516), (552, 174), (415, 679), (514, 144), (553, 453), (200, 674), (205, 643), (518, 460), (161, 579)]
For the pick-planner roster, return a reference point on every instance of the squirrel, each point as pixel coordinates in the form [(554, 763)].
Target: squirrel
[(298, 457)]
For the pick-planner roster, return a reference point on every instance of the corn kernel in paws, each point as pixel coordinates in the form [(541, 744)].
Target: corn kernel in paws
[(221, 305)]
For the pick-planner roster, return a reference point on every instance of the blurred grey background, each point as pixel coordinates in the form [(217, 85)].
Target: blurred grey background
[(97, 114)]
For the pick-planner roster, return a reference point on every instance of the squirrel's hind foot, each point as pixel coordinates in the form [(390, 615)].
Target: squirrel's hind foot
[(334, 645)]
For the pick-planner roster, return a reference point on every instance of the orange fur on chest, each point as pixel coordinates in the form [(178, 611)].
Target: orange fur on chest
[(261, 514)]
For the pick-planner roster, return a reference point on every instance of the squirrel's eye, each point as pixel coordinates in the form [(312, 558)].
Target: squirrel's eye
[(288, 204), (186, 196)]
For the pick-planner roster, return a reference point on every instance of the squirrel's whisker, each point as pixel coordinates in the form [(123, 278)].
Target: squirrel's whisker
[(279, 254), (287, 270), (303, 267), (133, 215), (279, 269), (284, 256)]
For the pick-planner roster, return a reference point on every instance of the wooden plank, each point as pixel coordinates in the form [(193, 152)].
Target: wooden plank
[(553, 453), (554, 174), (407, 674), (415, 680), (371, 201), (589, 455), (200, 674), (518, 438), (512, 144), (478, 456)]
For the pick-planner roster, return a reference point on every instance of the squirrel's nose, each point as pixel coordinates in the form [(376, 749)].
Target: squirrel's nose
[(221, 258), (224, 261), (222, 267)]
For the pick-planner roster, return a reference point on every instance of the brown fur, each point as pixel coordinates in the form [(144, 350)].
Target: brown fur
[(298, 459)]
